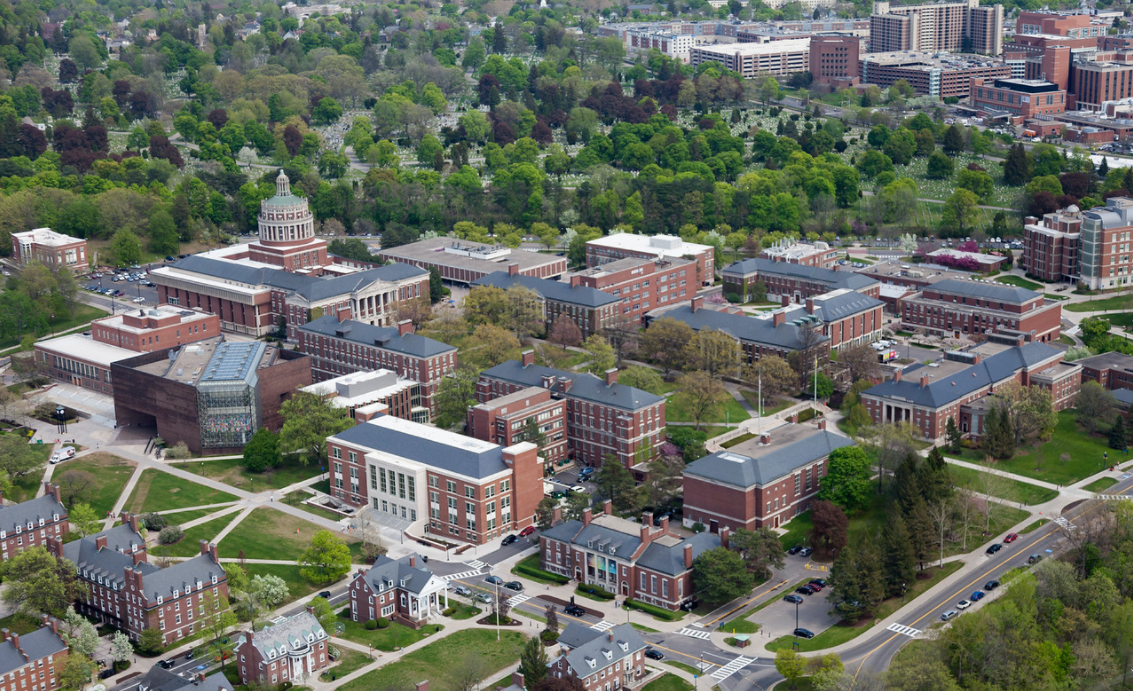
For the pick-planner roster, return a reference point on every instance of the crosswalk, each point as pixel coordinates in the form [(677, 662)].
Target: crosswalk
[(476, 564), (602, 625), (906, 630), (1114, 497), (461, 576), (702, 635), (518, 599), (732, 667)]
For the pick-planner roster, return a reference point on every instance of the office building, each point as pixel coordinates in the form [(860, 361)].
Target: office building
[(287, 650), (952, 27), (779, 58), (530, 414), (31, 523), (1025, 98), (1109, 77), (641, 284), (834, 60), (404, 590), (660, 247), (794, 282), (53, 250), (818, 254), (464, 261), (929, 73), (955, 309), (1051, 246)]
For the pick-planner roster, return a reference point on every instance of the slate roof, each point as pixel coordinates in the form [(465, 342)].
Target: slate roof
[(837, 307), (386, 571), (986, 291), (158, 679), (743, 470), (664, 557), (750, 329), (836, 279), (670, 559), (32, 510), (584, 386), (110, 562), (383, 336), (948, 389), (460, 455), (599, 649), (177, 576), (559, 291), (293, 633), (36, 645)]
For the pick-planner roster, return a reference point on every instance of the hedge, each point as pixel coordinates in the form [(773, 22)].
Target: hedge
[(540, 574), (659, 612), (595, 591)]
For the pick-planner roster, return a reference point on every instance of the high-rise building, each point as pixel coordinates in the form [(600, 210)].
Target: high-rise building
[(834, 60), (944, 26)]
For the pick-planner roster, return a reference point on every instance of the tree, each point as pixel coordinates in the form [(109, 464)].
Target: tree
[(151, 641), (665, 476), (760, 550), (551, 614), (997, 439), (664, 343), (1095, 407), (720, 575), (436, 285), (79, 633), (953, 140), (262, 451), (533, 661), (489, 346), (576, 505), (217, 618), (327, 111), (830, 527), (67, 288), (702, 393), (307, 422), (940, 167), (326, 560), (715, 352), (940, 511), (455, 395), (644, 378), (1016, 169), (264, 593), (77, 671), (84, 520), (960, 210), (163, 235), (862, 362), (126, 248), (615, 483), (77, 486), (564, 332), (602, 356), (892, 444), (18, 458), (847, 481), (545, 513), (790, 664), (525, 310), (1117, 434), (900, 561), (771, 374), (38, 583), (952, 435), (121, 650), (1028, 410)]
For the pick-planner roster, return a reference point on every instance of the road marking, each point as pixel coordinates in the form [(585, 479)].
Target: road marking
[(1114, 497), (602, 625), (476, 564), (462, 574), (906, 630), (732, 667), (753, 599), (518, 599), (702, 635)]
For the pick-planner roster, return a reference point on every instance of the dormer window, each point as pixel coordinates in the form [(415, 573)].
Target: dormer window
[(176, 593), (214, 579), (624, 646), (56, 517), (607, 654), (159, 599), (41, 522), (591, 662)]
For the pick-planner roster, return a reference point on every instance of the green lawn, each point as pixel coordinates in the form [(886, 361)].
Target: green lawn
[(770, 407), (110, 473), (83, 315), (1002, 487), (1034, 526), (270, 534), (350, 661), (183, 517), (838, 634), (1043, 461), (1100, 484), (462, 610), (688, 668), (231, 472), (157, 490), (1116, 302), (668, 682), (740, 625), (19, 624), (190, 545), (26, 486), (677, 410), (297, 586), (1066, 339), (1019, 282), (393, 636), (454, 653)]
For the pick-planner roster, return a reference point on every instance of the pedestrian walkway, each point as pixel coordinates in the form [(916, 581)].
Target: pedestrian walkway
[(460, 576), (518, 599), (603, 625), (695, 633), (905, 630), (732, 667)]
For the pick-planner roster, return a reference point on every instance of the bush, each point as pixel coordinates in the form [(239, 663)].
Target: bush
[(170, 534), (449, 612), (549, 637), (659, 612), (698, 527), (371, 624), (383, 623), (153, 521), (540, 574), (595, 591), (179, 451)]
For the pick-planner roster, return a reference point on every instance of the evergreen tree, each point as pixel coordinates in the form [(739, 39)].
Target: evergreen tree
[(533, 662), (933, 478), (1117, 433), (919, 524), (952, 434), (908, 487), (999, 440), (499, 39), (845, 586), (1103, 169), (1015, 169), (871, 574), (953, 140), (900, 559), (1127, 180)]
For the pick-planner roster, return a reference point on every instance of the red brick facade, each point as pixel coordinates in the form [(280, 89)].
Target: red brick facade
[(642, 284), (33, 523), (952, 309), (505, 421), (154, 329)]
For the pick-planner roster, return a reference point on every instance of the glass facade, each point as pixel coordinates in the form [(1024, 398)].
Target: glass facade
[(228, 397)]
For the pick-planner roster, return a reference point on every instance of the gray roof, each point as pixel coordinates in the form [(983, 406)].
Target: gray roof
[(602, 648), (584, 386), (158, 679), (986, 291), (838, 307), (835, 279), (559, 291), (382, 336), (1111, 360), (313, 288), (946, 390), (468, 461), (109, 562), (36, 645), (1124, 396), (664, 554), (293, 633), (670, 559), (742, 470), (391, 573), (763, 331), (162, 582), (30, 511)]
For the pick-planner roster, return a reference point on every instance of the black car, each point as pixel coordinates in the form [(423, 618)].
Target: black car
[(510, 539), (819, 581), (167, 664), (793, 599), (514, 585), (805, 590), (189, 655), (654, 654), (494, 580), (991, 585), (795, 549), (325, 594), (574, 610), (1034, 558), (994, 548), (804, 633)]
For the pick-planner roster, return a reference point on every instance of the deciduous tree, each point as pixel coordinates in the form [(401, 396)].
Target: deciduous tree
[(772, 375), (38, 583), (714, 352), (602, 356), (326, 560), (847, 480), (262, 451), (702, 393), (564, 332), (307, 422), (830, 526), (455, 395), (664, 343), (760, 549), (84, 520), (791, 665), (720, 575), (1095, 407)]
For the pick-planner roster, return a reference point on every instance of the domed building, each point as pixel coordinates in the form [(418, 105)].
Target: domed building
[(287, 232)]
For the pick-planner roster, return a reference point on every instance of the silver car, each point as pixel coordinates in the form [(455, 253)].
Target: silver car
[(461, 590)]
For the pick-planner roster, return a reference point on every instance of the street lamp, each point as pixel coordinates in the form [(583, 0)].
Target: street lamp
[(497, 584), (902, 593), (797, 623)]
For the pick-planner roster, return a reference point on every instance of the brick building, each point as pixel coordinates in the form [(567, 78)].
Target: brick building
[(33, 661), (796, 282), (641, 284), (464, 261), (622, 245), (211, 395), (591, 310), (404, 590), (638, 560), (127, 592), (937, 27), (931, 73), (155, 328), (344, 347), (765, 481), (601, 660), (1108, 77), (53, 250), (286, 235), (834, 60), (955, 308), (1051, 246), (434, 481), (360, 391), (780, 58), (1026, 98), (31, 523), (1114, 371), (508, 420), (927, 395), (159, 679), (603, 417), (291, 650), (818, 254), (1105, 257)]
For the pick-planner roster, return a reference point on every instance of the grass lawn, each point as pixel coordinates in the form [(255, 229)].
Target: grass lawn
[(688, 668), (770, 407), (183, 517), (160, 491), (190, 545), (560, 358), (677, 410), (393, 636), (478, 646), (297, 586), (838, 634), (1100, 484), (668, 682), (1019, 282), (26, 486), (1066, 339), (1043, 461), (230, 472), (1117, 302), (270, 534), (111, 474), (19, 623), (740, 625), (1034, 526), (350, 661), (463, 611), (83, 315), (1002, 487)]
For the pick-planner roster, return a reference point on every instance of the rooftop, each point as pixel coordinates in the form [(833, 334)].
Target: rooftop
[(465, 254), (926, 60), (44, 508), (788, 45), (788, 336), (986, 291), (409, 572), (753, 462), (35, 645), (184, 316), (1109, 360), (785, 250), (46, 236), (987, 259), (896, 269), (386, 337), (360, 388), (659, 245), (85, 348), (213, 360), (293, 634), (832, 278), (583, 386), (558, 291)]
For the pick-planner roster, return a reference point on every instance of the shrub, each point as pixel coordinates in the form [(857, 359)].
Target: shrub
[(170, 534), (371, 624), (383, 623), (698, 527), (449, 612), (179, 451), (659, 612), (595, 591), (540, 574), (549, 637), (153, 521)]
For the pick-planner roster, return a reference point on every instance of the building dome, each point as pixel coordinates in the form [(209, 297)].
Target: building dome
[(285, 218), (1072, 209)]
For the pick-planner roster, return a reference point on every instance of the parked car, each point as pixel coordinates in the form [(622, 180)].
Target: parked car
[(795, 549), (1034, 558), (527, 531), (977, 596), (325, 595), (578, 488), (654, 654), (494, 580), (963, 604), (574, 610), (585, 474), (1011, 537), (62, 454), (992, 549), (806, 589), (166, 664), (814, 586), (805, 552), (139, 299), (462, 591), (819, 581), (482, 597), (189, 655), (793, 599), (510, 539), (991, 585), (514, 585), (950, 614), (804, 633)]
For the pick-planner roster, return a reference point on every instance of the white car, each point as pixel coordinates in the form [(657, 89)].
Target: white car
[(62, 454), (963, 604), (139, 299)]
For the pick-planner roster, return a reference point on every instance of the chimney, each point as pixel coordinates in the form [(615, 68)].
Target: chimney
[(646, 531), (100, 542), (517, 679), (204, 546), (897, 375), (821, 423), (575, 281), (587, 516), (778, 319), (557, 515), (412, 561), (977, 359), (608, 507), (513, 269), (810, 305), (724, 533), (15, 638), (564, 384), (342, 315), (132, 519), (423, 685), (56, 493), (611, 376), (214, 553), (610, 636), (4, 633), (765, 438), (138, 556), (310, 610), (405, 326), (924, 380), (697, 303), (664, 525), (785, 301), (688, 556), (527, 357)]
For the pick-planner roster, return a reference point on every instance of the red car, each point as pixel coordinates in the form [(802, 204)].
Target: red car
[(1011, 537), (527, 531)]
